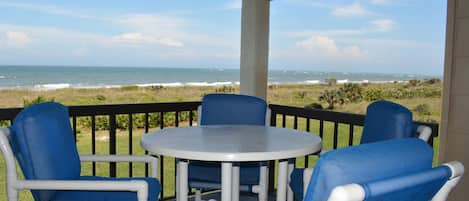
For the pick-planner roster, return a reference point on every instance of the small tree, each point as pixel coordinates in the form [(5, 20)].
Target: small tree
[(39, 99), (331, 97), (351, 93)]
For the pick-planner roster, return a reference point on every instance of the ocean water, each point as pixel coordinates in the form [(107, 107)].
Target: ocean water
[(56, 77)]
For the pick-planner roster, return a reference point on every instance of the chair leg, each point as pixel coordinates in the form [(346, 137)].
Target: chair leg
[(12, 194), (290, 192), (198, 195), (263, 183)]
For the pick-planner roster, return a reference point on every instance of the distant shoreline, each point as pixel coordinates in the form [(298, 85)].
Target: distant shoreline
[(47, 87)]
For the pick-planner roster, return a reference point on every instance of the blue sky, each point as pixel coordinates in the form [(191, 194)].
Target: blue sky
[(389, 36)]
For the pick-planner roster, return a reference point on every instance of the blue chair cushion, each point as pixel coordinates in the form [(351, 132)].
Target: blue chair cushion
[(153, 191), (420, 186), (387, 120), (296, 183), (233, 109), (211, 172), (43, 142), (367, 162)]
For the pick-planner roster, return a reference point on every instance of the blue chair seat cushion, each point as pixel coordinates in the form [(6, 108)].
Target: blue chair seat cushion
[(153, 191), (296, 183), (210, 172)]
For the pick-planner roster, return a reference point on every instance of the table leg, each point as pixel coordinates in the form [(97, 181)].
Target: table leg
[(235, 183), (226, 177), (182, 177), (282, 180), (291, 166)]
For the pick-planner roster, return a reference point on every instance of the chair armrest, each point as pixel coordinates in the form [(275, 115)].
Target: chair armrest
[(141, 187), (123, 158), (349, 192), (424, 132)]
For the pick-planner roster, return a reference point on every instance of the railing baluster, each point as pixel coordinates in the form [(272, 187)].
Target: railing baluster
[(147, 128), (130, 143), (176, 119), (74, 125), (350, 137), (190, 118), (295, 122), (112, 144), (308, 129), (284, 120), (336, 135), (321, 128), (93, 141)]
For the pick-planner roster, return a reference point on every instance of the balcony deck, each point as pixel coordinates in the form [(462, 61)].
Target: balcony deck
[(115, 129)]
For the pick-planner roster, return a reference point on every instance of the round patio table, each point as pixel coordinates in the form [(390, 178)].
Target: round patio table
[(228, 144)]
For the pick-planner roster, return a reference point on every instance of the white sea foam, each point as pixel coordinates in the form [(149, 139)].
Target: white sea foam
[(312, 82), (342, 81), (171, 84), (51, 86)]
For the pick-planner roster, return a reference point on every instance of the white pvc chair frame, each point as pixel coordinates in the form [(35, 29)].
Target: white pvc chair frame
[(355, 192), (14, 184), (424, 133), (261, 189)]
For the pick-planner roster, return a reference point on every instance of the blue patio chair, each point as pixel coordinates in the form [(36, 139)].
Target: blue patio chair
[(42, 140), (231, 109), (384, 121), (383, 171)]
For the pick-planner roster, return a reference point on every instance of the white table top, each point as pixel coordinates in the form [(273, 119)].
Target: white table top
[(231, 143)]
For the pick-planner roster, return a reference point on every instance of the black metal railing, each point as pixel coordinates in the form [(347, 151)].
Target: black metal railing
[(337, 129)]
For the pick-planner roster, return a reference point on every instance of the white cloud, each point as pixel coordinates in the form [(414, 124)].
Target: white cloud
[(380, 2), (379, 25), (234, 4), (351, 11), (326, 46), (48, 9), (142, 39), (383, 25), (16, 39)]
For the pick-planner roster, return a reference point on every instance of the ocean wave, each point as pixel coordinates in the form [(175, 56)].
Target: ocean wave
[(57, 86), (51, 86)]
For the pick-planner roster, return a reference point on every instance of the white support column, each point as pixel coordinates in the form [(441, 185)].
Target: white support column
[(254, 47)]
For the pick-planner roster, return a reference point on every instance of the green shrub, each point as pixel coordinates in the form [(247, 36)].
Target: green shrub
[(351, 93), (301, 94), (331, 97), (39, 99), (225, 89), (373, 95), (314, 106), (101, 97), (422, 109)]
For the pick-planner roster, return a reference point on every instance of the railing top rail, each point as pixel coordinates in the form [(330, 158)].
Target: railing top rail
[(340, 117), (87, 110)]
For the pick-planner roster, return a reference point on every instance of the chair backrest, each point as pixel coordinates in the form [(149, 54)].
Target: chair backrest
[(387, 120), (232, 109), (367, 162), (43, 143)]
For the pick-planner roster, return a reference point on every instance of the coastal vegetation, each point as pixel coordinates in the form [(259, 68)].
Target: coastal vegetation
[(423, 97)]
